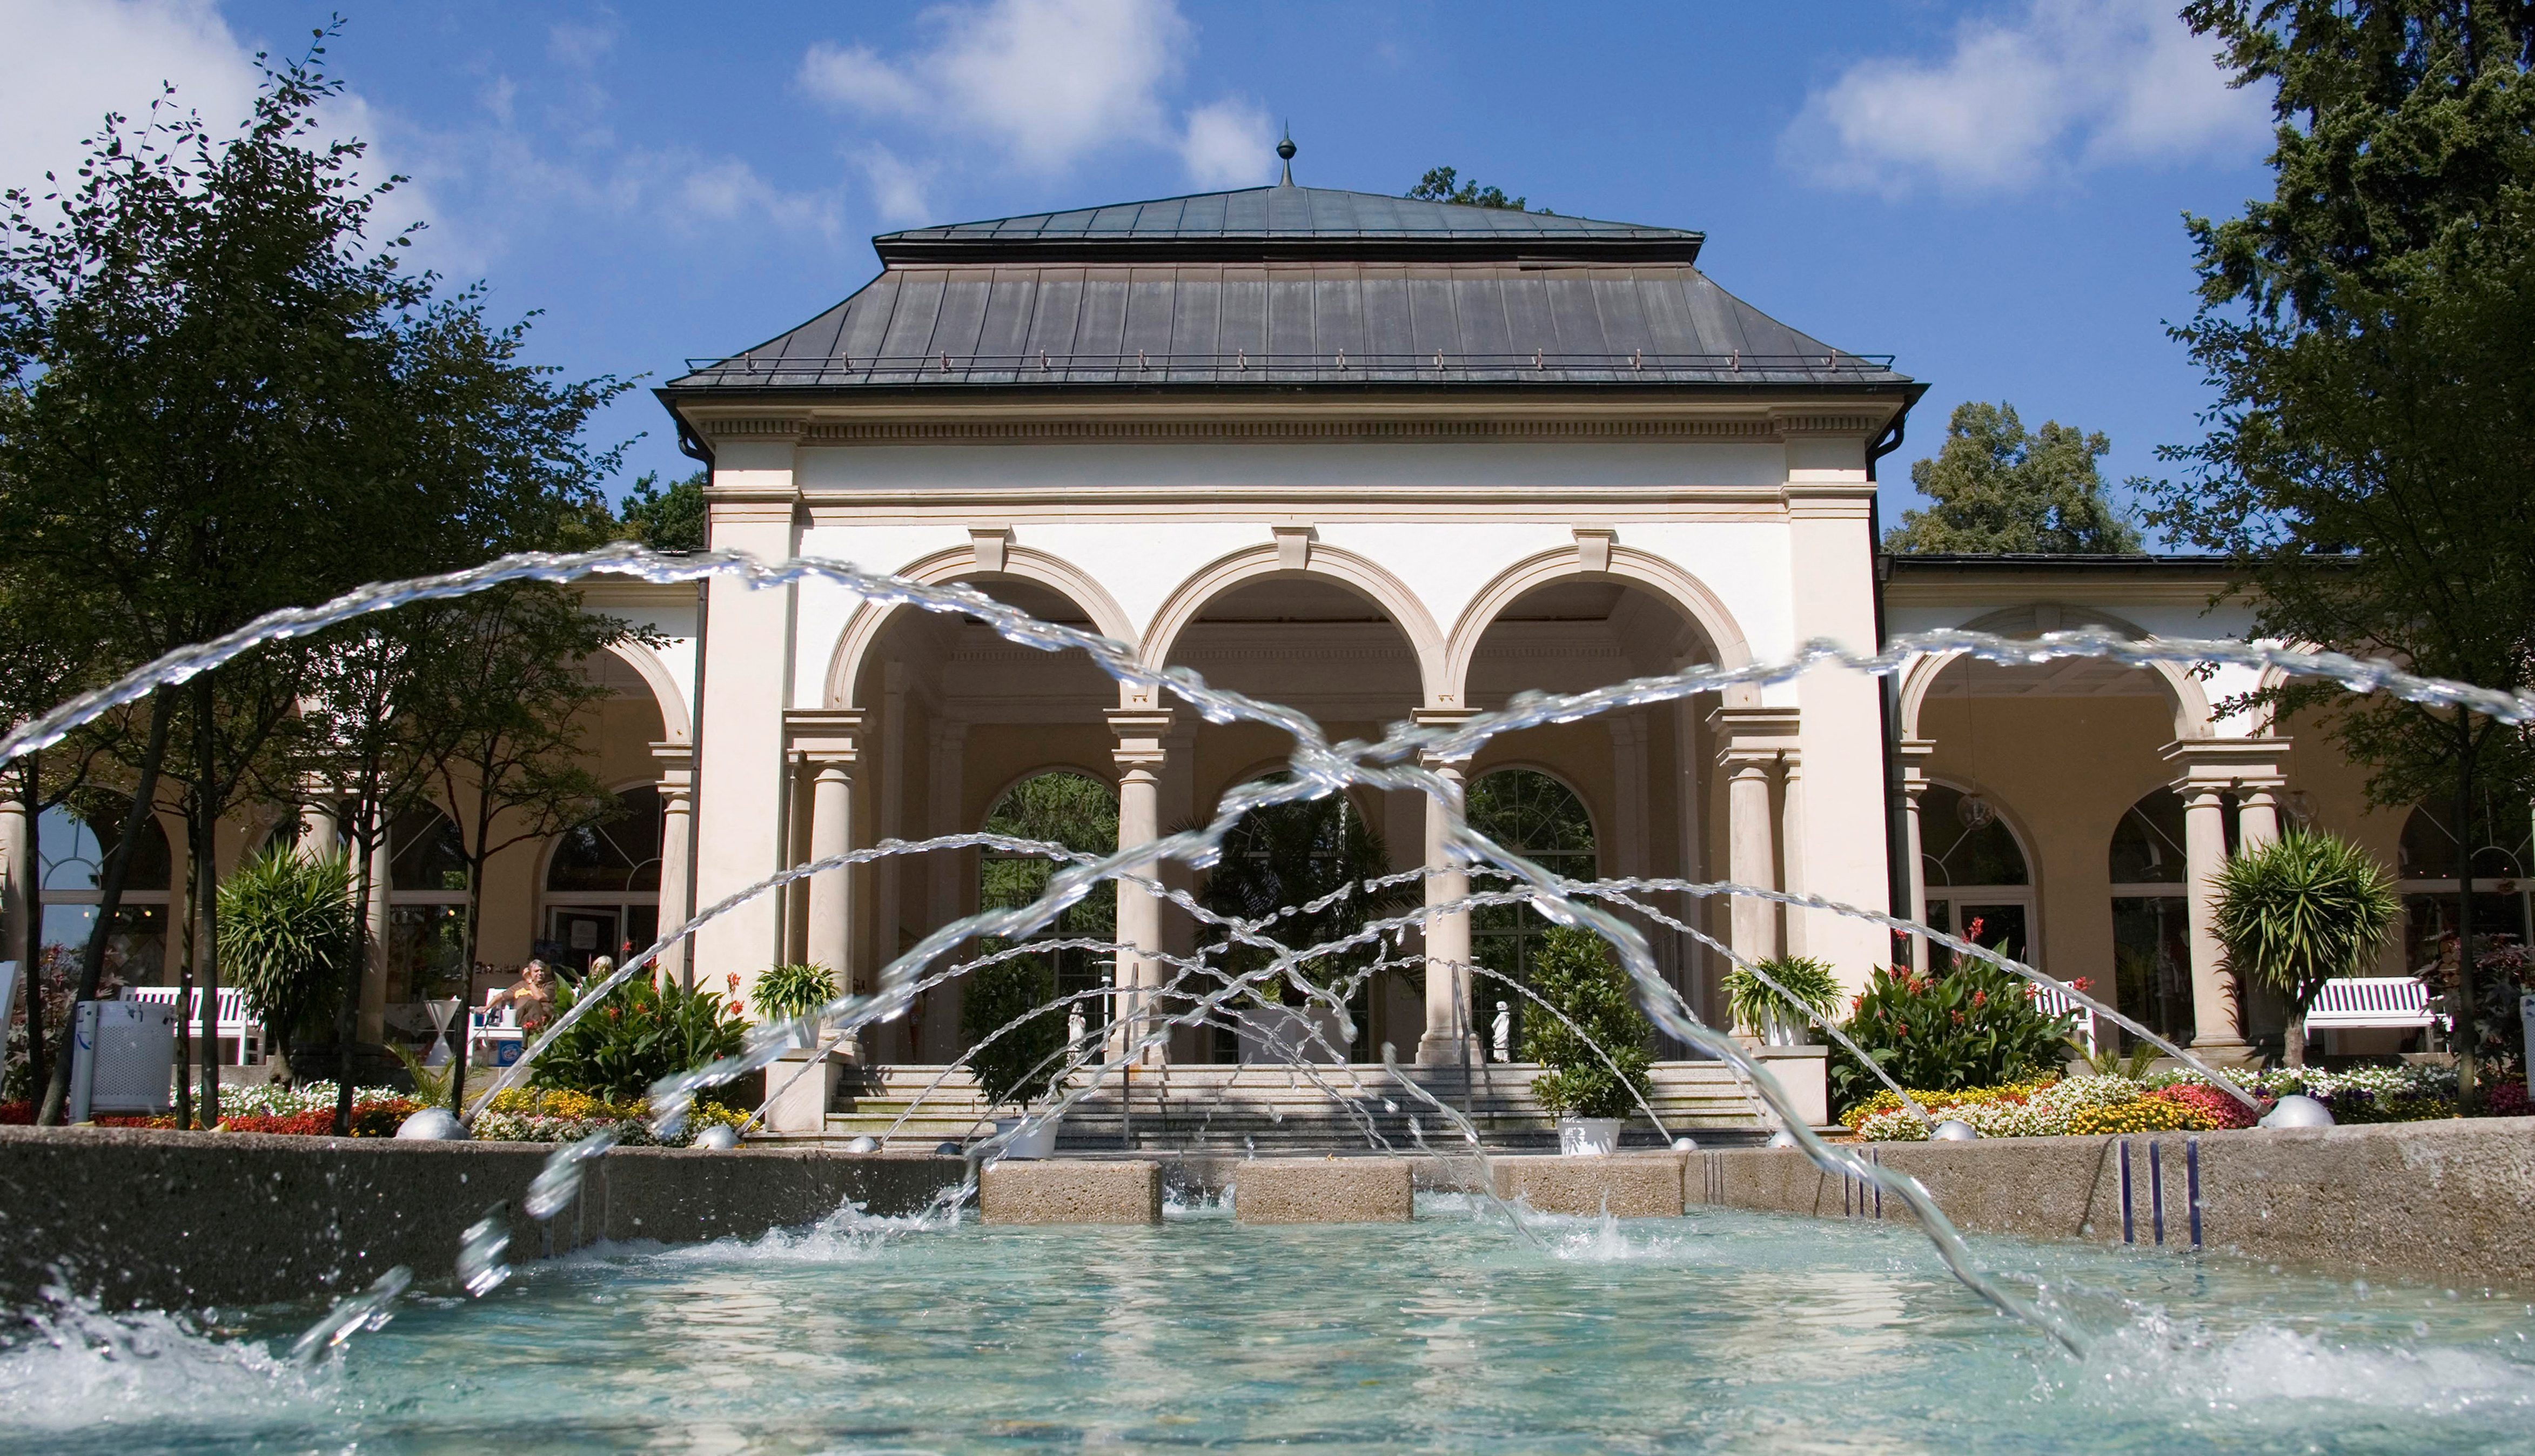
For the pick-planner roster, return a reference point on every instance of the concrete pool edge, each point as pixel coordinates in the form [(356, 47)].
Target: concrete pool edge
[(2448, 1202), (177, 1220)]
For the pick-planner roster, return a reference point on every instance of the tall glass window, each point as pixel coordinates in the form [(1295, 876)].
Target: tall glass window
[(1080, 813), (2429, 863), (1545, 821), (603, 884), (72, 842), (426, 907), (1980, 885), (2152, 939)]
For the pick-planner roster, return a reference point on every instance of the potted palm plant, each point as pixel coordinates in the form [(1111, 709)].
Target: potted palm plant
[(2302, 910), (1593, 1072), (800, 1096), (1008, 1016), (1811, 994)]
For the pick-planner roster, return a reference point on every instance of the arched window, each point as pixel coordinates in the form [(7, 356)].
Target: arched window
[(1979, 882), (603, 884), (2152, 939), (426, 907), (1080, 813), (1542, 819), (72, 842), (2502, 832), (1280, 859)]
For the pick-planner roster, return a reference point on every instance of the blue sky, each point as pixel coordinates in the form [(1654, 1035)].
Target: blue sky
[(1990, 192)]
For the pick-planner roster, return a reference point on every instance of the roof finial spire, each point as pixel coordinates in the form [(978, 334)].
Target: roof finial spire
[(1285, 149)]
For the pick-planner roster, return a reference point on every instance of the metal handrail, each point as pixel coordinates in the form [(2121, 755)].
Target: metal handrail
[(1339, 362)]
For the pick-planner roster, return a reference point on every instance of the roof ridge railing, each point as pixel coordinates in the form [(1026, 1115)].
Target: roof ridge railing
[(1339, 362)]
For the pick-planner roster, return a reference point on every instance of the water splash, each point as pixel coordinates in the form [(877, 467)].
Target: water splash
[(559, 1181), (370, 1309), (481, 1269)]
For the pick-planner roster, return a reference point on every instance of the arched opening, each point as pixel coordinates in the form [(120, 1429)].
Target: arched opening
[(1542, 819), (1080, 813), (1647, 773), (603, 894), (426, 939), (2502, 840), (2151, 934), (72, 843), (1980, 881)]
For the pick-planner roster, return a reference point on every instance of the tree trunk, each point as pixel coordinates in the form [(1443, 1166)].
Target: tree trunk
[(2293, 1045), (185, 964), (366, 831), (474, 903), (207, 910), (2468, 985), (109, 903), (30, 795)]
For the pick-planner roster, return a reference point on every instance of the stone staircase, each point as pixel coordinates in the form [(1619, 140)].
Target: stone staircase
[(1224, 1109)]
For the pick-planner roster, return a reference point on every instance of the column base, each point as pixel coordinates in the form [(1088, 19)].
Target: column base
[(1442, 1049), (2222, 1055)]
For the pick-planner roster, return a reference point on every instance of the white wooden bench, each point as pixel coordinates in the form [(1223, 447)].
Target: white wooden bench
[(2368, 1003), (233, 1022), (2057, 1002)]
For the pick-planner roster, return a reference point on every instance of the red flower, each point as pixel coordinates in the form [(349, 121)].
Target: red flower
[(2080, 983), (1972, 931), (1979, 999), (733, 979)]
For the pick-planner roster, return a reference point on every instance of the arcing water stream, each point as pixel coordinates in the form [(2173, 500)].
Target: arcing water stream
[(1317, 767)]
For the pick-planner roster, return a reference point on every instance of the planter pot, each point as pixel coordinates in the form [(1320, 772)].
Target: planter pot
[(1037, 1142), (1284, 1035), (801, 1099), (1780, 1030), (1589, 1137)]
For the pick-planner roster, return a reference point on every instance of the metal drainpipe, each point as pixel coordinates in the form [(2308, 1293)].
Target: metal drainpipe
[(696, 450), (1896, 839)]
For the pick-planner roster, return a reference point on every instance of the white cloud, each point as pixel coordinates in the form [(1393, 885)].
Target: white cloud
[(77, 62), (898, 188), (1043, 82), (2066, 84), (1229, 144)]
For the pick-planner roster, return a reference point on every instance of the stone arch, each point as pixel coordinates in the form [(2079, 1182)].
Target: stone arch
[(1343, 569), (1097, 773), (1627, 565), (675, 719), (863, 628), (2191, 703)]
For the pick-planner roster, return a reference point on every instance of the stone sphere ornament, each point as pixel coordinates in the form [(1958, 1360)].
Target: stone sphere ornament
[(2297, 1110), (1781, 1138), (1685, 1145), (863, 1144), (948, 1150), (432, 1125), (721, 1137), (1953, 1131)]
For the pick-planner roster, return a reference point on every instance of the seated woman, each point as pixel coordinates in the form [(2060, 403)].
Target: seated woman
[(533, 998)]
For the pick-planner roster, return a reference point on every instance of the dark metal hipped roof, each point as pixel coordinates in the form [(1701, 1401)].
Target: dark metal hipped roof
[(1287, 285)]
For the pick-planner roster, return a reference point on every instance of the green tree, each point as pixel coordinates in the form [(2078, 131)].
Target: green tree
[(2298, 912), (288, 934), (672, 520), (1287, 856), (510, 685), (1445, 185), (2365, 331), (1997, 488), (1597, 1067)]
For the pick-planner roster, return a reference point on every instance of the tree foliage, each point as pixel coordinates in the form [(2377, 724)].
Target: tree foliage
[(1445, 185), (1597, 1067), (672, 520), (2299, 911), (1999, 488), (1285, 856), (1008, 1016), (2364, 330)]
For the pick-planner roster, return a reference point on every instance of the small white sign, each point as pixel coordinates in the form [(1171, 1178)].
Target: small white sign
[(583, 934)]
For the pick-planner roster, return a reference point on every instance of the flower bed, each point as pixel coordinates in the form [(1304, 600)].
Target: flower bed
[(518, 1115), (2163, 1102), (525, 1114)]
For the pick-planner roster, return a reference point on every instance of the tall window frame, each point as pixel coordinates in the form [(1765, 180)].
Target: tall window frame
[(72, 842)]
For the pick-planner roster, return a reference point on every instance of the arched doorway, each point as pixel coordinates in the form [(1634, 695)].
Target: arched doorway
[(426, 907), (1080, 813), (2503, 847), (1545, 821), (1980, 881), (2151, 936), (72, 843), (604, 883)]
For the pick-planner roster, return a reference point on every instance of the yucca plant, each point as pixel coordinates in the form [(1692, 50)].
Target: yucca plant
[(287, 940), (1813, 984), (2299, 911)]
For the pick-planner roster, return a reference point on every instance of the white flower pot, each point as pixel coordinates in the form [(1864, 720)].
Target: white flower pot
[(1781, 1030), (1038, 1142), (1589, 1137)]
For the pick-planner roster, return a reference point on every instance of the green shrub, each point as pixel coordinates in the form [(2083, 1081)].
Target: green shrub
[(1974, 1026), (1019, 1067), (1575, 973), (793, 990), (1813, 984), (642, 1032), (287, 940)]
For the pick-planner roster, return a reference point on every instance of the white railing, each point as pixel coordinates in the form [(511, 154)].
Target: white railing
[(2362, 1002), (234, 1023)]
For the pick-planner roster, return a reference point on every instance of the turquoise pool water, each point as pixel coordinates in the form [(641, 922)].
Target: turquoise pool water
[(1717, 1332)]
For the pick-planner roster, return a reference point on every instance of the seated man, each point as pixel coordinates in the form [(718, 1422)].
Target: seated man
[(532, 999)]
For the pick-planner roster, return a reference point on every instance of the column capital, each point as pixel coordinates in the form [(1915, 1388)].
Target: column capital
[(822, 736), (1448, 719), (2215, 763), (1139, 733), (1753, 735), (1913, 753)]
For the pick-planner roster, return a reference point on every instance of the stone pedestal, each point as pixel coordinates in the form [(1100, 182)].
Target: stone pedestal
[(1064, 1191), (1323, 1190), (1805, 1072), (800, 1100)]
